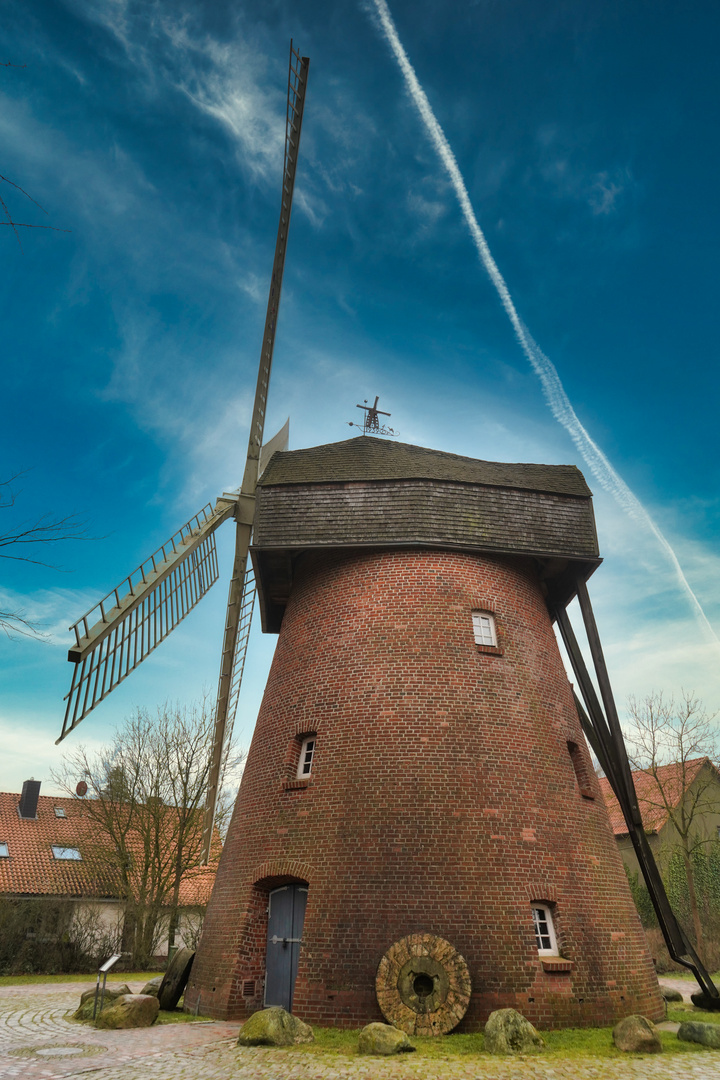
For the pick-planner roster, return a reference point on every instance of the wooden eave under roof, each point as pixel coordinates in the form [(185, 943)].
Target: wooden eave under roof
[(368, 493)]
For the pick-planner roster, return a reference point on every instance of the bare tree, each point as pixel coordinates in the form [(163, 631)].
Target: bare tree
[(146, 797), (24, 543), (10, 222), (675, 742)]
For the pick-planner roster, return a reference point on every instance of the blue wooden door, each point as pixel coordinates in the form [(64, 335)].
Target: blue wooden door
[(286, 914)]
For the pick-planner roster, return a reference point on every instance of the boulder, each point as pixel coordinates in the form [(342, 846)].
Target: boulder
[(152, 987), (383, 1039), (130, 1011), (670, 995), (175, 979), (637, 1035), (87, 1000), (274, 1027), (508, 1032), (706, 1034), (111, 992), (701, 1000)]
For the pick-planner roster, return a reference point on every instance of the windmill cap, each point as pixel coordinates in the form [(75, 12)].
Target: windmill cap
[(365, 458)]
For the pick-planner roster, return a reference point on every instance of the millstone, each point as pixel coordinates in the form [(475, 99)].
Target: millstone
[(423, 985), (175, 979)]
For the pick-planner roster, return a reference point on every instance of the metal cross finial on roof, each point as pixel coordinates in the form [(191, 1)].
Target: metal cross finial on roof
[(371, 424)]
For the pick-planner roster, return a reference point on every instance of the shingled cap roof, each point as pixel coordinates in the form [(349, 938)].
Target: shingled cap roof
[(650, 791), (31, 868), (367, 458)]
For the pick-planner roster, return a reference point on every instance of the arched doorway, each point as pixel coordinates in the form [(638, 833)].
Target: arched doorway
[(286, 915)]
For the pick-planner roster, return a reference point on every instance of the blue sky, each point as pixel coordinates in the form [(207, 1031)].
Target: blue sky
[(153, 131)]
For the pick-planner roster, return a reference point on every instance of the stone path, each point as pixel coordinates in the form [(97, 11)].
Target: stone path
[(685, 986), (37, 1042)]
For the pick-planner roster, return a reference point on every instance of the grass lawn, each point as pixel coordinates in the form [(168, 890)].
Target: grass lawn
[(180, 1017), (117, 979), (569, 1043), (679, 1011)]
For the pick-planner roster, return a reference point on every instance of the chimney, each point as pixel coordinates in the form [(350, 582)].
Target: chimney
[(27, 807)]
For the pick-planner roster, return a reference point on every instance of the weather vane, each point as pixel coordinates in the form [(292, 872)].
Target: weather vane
[(371, 424)]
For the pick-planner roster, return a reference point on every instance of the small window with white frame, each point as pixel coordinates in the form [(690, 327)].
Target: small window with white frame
[(484, 628), (60, 812), (544, 930), (69, 853), (4, 851), (307, 753)]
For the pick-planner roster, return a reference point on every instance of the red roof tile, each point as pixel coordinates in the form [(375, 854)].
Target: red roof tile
[(647, 788), (31, 867)]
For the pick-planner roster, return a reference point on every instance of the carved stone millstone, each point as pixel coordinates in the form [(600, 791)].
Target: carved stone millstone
[(175, 979), (423, 985)]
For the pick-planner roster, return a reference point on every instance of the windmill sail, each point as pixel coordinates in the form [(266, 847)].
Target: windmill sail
[(235, 641), (136, 616), (116, 635)]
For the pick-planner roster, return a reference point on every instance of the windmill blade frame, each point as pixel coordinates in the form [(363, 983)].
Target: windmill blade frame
[(235, 643), (141, 611)]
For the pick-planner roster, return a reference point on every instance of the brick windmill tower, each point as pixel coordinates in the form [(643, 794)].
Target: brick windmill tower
[(419, 832)]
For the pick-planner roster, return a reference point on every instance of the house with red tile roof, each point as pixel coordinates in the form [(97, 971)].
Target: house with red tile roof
[(666, 794), (52, 846)]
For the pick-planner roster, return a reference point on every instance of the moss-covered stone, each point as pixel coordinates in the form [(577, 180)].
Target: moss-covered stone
[(87, 1000), (130, 1011), (637, 1035), (383, 1039), (508, 1032), (274, 1027), (705, 1034)]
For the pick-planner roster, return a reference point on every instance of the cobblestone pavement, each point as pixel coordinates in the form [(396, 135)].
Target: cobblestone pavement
[(37, 1042)]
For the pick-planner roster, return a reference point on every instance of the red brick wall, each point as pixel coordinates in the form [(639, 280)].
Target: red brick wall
[(443, 798)]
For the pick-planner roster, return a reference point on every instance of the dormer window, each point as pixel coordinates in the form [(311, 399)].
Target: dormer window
[(307, 752), (484, 628)]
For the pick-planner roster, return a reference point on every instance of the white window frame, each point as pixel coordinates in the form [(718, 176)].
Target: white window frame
[(547, 918), (60, 812), (4, 850), (484, 628), (307, 753), (70, 854)]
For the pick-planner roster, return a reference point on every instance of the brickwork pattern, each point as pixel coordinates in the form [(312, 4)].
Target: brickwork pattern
[(444, 799)]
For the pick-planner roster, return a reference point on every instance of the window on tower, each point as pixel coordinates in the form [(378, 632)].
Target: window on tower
[(484, 628), (544, 930), (307, 753)]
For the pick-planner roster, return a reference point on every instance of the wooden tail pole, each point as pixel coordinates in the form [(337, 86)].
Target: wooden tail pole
[(604, 734)]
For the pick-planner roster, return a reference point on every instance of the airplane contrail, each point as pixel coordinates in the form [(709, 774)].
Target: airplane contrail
[(543, 367)]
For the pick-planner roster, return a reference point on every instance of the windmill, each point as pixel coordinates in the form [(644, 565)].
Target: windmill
[(122, 629)]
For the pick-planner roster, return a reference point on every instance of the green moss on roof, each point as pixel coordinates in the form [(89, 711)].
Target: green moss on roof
[(366, 458)]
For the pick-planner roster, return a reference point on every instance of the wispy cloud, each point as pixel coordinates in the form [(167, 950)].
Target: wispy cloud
[(225, 80), (543, 367), (46, 610)]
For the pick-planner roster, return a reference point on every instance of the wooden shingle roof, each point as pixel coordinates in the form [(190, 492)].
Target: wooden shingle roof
[(366, 459)]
